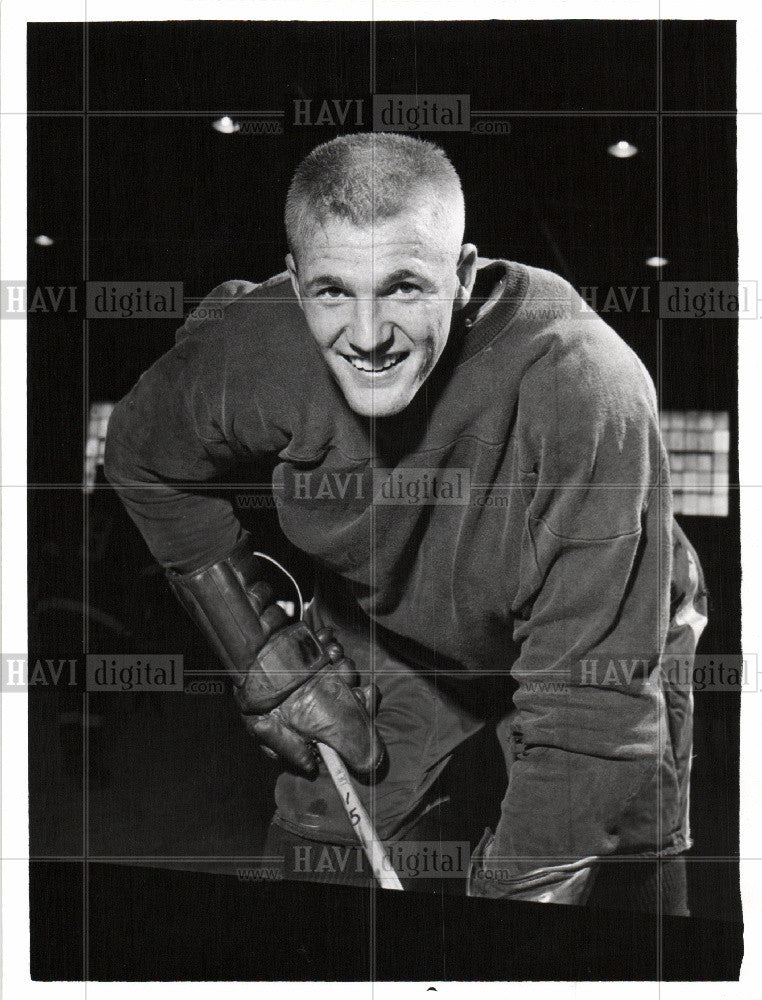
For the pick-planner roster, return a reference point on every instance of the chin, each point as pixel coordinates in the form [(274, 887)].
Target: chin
[(378, 404), (374, 409)]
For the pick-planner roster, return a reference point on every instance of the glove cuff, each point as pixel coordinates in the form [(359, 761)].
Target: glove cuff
[(226, 599)]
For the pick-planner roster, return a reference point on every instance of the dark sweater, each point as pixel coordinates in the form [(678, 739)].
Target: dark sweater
[(560, 553)]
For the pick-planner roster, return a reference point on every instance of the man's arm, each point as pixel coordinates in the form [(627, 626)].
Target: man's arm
[(167, 442), (595, 575)]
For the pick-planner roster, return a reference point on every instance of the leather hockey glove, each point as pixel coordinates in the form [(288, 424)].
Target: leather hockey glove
[(293, 687)]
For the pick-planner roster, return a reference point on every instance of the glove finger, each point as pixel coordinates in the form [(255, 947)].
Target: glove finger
[(347, 670), (330, 644), (326, 709), (325, 635), (271, 619), (369, 697), (272, 734), (362, 749)]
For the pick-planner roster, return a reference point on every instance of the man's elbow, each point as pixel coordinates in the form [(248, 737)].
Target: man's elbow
[(119, 465)]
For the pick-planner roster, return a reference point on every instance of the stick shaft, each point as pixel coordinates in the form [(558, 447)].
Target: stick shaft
[(360, 820)]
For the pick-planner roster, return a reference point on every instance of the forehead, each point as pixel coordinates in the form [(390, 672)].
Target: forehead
[(410, 235)]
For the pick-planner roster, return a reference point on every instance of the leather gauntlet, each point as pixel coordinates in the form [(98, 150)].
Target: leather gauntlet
[(292, 686)]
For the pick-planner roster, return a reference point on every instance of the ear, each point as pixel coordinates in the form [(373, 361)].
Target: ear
[(466, 271), (291, 265)]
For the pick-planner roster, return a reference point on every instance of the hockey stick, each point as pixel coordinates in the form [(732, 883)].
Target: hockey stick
[(360, 820), (358, 817)]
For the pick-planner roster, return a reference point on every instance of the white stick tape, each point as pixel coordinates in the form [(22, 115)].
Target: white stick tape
[(360, 820)]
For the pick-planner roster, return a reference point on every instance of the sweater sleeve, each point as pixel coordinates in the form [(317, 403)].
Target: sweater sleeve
[(175, 434), (594, 588)]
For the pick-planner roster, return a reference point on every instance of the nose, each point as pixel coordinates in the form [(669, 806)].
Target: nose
[(368, 335)]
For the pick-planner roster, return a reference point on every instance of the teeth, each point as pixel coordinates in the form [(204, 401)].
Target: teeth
[(366, 366)]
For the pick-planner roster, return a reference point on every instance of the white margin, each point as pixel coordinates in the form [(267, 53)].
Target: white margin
[(13, 17)]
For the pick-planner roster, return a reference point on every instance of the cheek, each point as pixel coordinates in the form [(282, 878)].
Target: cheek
[(439, 331), (320, 326), (430, 327), (433, 344)]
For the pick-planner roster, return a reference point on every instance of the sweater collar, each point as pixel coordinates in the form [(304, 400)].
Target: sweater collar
[(499, 290)]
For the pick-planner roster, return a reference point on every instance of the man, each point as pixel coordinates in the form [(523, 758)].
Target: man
[(389, 367)]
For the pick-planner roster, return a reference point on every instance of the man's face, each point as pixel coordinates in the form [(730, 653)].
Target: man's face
[(379, 303)]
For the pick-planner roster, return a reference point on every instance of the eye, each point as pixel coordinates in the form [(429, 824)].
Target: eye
[(330, 292), (404, 289)]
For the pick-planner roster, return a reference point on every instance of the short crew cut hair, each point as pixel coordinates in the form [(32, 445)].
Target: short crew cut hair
[(368, 176)]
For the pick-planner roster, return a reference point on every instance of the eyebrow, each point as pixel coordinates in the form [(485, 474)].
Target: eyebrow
[(402, 274), (324, 279)]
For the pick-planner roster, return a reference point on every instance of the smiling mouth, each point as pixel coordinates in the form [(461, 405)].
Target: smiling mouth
[(376, 366)]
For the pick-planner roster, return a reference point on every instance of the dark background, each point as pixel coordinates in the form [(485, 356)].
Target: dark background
[(142, 188)]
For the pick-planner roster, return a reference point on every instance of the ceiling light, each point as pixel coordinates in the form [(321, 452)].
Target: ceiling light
[(623, 149), (226, 125)]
